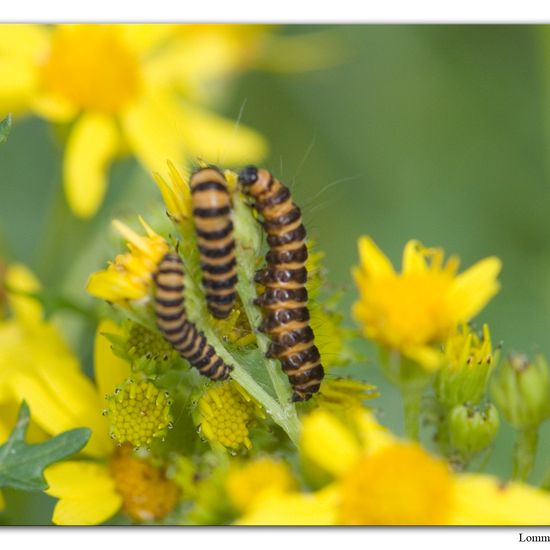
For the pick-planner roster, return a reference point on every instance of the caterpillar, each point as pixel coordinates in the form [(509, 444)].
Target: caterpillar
[(284, 301), (173, 323), (211, 212)]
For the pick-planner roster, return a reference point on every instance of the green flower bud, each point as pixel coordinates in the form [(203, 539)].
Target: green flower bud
[(469, 360), (473, 429), (521, 390)]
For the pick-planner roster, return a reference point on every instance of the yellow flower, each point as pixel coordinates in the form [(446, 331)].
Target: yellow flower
[(422, 306), (224, 414), (261, 476), (381, 480), (90, 493), (130, 276), (136, 88), (37, 366)]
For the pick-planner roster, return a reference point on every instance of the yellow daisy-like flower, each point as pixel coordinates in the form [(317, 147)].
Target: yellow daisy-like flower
[(137, 88), (90, 493), (381, 480), (411, 311), (225, 411), (130, 276)]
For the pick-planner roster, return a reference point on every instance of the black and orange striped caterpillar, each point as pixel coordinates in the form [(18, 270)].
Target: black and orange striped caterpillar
[(211, 213), (172, 321), (284, 301)]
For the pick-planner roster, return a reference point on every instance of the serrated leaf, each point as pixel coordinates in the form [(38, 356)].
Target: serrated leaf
[(22, 465), (5, 129)]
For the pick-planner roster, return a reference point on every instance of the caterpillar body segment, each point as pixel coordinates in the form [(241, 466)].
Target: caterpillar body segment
[(211, 212), (172, 321), (284, 300)]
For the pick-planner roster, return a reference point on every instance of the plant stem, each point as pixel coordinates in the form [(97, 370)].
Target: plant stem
[(525, 451), (412, 401)]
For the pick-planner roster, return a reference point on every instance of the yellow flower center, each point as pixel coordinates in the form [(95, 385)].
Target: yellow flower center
[(139, 412), (411, 309), (91, 66), (398, 485), (225, 413), (143, 342), (146, 492)]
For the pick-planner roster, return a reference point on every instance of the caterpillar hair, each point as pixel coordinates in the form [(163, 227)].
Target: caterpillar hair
[(172, 321), (284, 301), (211, 213)]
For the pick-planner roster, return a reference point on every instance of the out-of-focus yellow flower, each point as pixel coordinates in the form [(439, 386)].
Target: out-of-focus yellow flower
[(381, 480), (90, 493), (225, 411), (130, 276), (137, 88), (422, 306), (37, 366), (245, 482)]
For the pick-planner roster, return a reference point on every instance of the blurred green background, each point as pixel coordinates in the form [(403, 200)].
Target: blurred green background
[(438, 133)]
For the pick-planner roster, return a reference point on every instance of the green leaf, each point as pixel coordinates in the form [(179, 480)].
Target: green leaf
[(5, 129), (22, 465)]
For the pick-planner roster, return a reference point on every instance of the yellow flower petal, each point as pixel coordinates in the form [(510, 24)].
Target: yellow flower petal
[(61, 399), (23, 41), (154, 127), (53, 107), (20, 50), (92, 145), (318, 508), (484, 500), (220, 140), (328, 443), (413, 259), (183, 131), (475, 287), (19, 83), (86, 491), (110, 370), (373, 435), (19, 279), (374, 263), (143, 38)]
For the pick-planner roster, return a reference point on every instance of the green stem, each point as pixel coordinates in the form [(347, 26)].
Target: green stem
[(412, 401), (525, 451), (411, 379)]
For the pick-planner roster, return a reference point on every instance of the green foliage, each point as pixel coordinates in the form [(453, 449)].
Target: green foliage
[(22, 465), (5, 129)]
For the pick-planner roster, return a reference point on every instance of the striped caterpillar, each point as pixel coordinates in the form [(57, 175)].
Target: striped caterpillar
[(284, 301), (173, 323), (211, 208)]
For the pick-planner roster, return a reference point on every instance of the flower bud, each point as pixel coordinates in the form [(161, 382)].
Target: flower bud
[(473, 429), (521, 390), (469, 360)]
